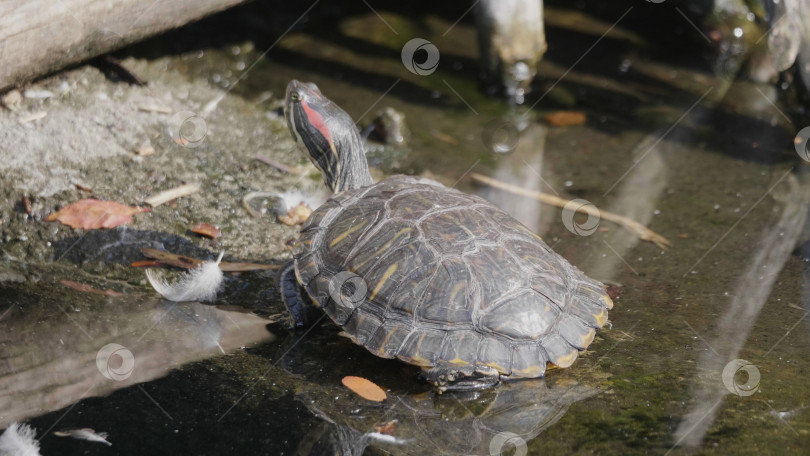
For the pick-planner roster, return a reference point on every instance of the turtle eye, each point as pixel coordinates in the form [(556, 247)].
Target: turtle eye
[(294, 97)]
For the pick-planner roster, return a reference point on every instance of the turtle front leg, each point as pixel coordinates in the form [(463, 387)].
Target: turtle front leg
[(454, 379), (295, 297)]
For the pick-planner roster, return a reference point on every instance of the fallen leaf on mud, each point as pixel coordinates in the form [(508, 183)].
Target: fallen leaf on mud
[(565, 118), (145, 151), (91, 214), (613, 291), (206, 229), (387, 428), (186, 262), (88, 289), (364, 388), (297, 215)]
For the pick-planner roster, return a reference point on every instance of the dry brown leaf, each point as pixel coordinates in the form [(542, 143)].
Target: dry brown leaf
[(364, 388), (88, 289), (297, 215), (91, 214), (565, 118), (206, 229)]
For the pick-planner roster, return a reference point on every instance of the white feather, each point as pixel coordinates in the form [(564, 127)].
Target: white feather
[(200, 284), (19, 440), (292, 198)]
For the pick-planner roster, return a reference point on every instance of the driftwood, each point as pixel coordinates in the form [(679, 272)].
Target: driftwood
[(41, 36)]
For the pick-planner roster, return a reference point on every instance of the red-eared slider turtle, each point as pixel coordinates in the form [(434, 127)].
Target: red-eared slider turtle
[(428, 274)]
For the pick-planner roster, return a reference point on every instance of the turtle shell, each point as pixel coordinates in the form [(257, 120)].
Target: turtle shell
[(437, 277)]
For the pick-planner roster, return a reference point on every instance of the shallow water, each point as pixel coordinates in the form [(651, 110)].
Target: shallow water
[(705, 160)]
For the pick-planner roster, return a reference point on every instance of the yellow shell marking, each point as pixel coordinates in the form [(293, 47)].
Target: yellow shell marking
[(388, 273), (459, 362), (346, 233), (566, 360), (530, 372), (382, 249), (587, 338), (608, 301), (601, 317)]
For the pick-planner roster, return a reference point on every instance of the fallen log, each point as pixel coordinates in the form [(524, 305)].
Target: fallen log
[(40, 36)]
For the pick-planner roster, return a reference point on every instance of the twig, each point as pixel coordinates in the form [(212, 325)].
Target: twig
[(155, 108), (172, 194), (633, 226), (32, 117), (186, 262), (278, 165)]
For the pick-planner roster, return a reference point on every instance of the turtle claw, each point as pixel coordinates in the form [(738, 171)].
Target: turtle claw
[(454, 379)]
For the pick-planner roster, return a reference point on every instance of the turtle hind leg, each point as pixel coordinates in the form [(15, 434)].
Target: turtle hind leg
[(446, 378), (298, 302)]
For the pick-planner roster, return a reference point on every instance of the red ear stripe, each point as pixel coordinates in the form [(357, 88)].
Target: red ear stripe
[(316, 120)]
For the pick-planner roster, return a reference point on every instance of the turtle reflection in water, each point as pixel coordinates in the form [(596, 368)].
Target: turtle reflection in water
[(471, 423), (453, 284)]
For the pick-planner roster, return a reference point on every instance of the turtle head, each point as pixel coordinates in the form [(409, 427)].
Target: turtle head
[(329, 136)]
